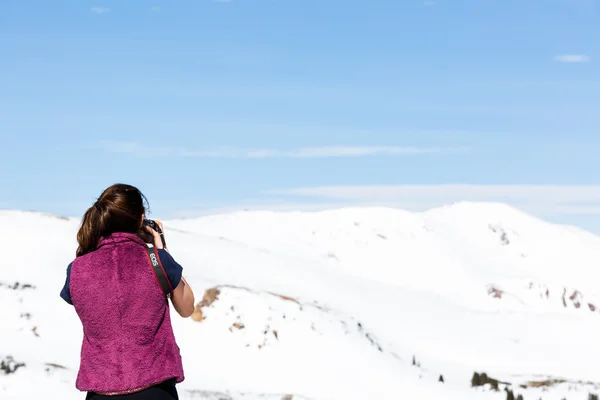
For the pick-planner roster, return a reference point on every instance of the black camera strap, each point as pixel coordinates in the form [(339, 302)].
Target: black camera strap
[(162, 236), (159, 271)]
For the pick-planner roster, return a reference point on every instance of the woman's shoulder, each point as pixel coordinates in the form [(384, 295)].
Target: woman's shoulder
[(172, 268), (65, 292)]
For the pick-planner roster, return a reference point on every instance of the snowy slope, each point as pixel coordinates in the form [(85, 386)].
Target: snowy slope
[(336, 304)]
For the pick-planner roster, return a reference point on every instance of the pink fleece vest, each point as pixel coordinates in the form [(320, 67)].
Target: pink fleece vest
[(128, 341)]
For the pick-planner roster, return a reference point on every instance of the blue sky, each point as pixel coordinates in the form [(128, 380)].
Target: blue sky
[(210, 106)]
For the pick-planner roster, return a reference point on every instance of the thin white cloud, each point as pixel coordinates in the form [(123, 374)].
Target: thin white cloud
[(99, 10), (572, 58), (306, 152), (538, 199), (314, 152), (136, 148), (155, 8), (251, 205)]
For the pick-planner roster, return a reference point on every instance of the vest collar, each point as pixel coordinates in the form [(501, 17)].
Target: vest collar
[(120, 237)]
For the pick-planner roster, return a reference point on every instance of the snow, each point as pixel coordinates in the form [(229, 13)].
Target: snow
[(335, 304)]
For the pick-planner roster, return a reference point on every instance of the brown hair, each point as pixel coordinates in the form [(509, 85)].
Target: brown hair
[(118, 209)]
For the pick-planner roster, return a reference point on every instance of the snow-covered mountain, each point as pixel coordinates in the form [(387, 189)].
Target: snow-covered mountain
[(356, 303)]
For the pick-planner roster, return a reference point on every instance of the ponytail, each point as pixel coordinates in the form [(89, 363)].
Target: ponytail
[(90, 231)]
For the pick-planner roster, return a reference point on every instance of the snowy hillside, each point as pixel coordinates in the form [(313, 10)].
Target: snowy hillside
[(370, 303)]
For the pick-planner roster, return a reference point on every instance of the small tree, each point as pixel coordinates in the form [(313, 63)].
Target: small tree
[(494, 384), (9, 365), (441, 379), (510, 395), (476, 380), (592, 396), (520, 397), (484, 378)]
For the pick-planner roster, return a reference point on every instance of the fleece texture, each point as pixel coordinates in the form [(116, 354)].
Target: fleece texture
[(128, 340)]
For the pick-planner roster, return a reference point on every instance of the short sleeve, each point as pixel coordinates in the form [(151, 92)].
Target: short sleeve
[(172, 268), (65, 293)]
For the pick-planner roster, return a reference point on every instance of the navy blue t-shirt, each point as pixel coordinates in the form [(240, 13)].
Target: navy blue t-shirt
[(174, 272)]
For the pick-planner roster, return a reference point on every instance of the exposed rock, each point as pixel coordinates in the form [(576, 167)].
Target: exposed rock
[(210, 296), (17, 286), (237, 325), (286, 298), (495, 292)]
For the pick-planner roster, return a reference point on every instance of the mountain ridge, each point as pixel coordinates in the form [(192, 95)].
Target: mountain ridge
[(417, 283), (506, 207)]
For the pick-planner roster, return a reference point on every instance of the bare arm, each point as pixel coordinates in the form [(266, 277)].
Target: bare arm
[(183, 299), (182, 296)]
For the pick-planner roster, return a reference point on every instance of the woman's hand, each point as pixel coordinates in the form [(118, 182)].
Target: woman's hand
[(157, 239)]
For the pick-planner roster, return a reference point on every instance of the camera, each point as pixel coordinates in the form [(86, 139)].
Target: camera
[(152, 224)]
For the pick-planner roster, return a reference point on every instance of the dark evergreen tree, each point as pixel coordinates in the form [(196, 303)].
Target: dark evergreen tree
[(476, 380), (494, 384), (484, 378)]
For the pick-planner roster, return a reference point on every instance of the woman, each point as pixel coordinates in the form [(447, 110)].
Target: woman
[(129, 349)]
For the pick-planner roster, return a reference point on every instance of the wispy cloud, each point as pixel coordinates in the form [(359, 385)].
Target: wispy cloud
[(538, 199), (200, 210), (572, 58), (99, 10), (313, 152), (155, 8), (305, 152), (135, 148)]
